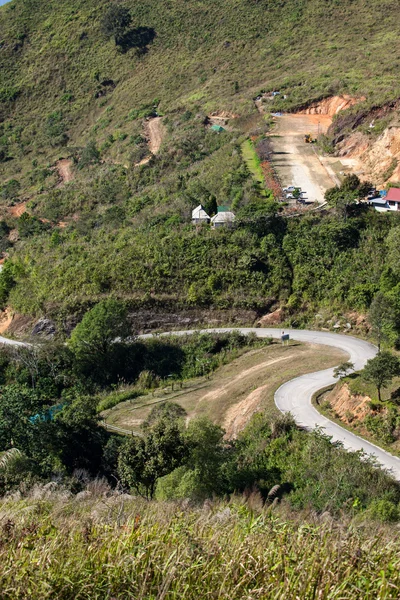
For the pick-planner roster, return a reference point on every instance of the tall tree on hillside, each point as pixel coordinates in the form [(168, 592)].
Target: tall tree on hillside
[(98, 341), (143, 460), (381, 317), (116, 22), (347, 194), (381, 370)]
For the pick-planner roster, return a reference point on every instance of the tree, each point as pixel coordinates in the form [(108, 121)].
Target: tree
[(98, 342), (116, 23), (343, 369), (381, 370), (90, 155), (211, 206), (203, 472), (344, 196), (143, 460), (205, 442), (393, 250), (296, 193), (381, 317), (341, 198)]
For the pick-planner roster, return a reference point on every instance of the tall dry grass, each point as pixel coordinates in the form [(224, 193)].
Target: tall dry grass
[(104, 545)]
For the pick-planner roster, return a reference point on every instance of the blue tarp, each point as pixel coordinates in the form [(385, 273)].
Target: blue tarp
[(48, 415)]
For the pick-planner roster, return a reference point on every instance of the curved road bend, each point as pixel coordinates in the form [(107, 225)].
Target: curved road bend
[(295, 396)]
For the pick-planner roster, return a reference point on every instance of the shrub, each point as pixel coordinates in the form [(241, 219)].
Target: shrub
[(384, 510)]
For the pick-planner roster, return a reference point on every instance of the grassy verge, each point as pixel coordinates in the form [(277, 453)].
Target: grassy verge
[(104, 545), (252, 161)]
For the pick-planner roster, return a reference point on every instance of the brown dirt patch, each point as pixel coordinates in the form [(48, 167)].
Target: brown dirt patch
[(331, 106), (155, 132), (349, 408), (238, 415), (64, 169), (18, 209), (216, 394), (6, 318)]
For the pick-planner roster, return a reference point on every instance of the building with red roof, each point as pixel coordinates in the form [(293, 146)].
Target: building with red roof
[(393, 195), (390, 202)]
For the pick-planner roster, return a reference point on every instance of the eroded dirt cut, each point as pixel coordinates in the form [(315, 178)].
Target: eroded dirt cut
[(331, 106), (18, 210), (64, 169)]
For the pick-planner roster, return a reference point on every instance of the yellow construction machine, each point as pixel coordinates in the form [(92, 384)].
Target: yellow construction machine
[(309, 139)]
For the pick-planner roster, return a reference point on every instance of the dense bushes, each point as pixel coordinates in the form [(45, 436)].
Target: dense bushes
[(315, 260), (275, 458)]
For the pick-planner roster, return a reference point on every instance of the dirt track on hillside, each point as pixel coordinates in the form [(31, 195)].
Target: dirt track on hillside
[(18, 210), (155, 132)]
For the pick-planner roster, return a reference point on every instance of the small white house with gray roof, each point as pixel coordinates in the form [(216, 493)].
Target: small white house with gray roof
[(223, 218), (200, 216)]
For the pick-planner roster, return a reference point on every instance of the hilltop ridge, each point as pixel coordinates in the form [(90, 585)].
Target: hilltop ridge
[(90, 207)]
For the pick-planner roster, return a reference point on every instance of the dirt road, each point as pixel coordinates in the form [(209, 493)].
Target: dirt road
[(297, 162), (155, 133)]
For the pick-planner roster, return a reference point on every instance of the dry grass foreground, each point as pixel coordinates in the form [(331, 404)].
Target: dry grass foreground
[(235, 391), (100, 545)]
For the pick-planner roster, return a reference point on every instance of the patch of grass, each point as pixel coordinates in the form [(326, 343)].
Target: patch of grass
[(102, 544), (252, 161)]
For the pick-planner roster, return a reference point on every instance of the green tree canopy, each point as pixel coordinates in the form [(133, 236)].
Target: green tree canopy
[(98, 341), (381, 370), (143, 460), (116, 22), (381, 317)]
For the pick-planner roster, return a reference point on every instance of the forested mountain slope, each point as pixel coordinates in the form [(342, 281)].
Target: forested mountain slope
[(98, 224)]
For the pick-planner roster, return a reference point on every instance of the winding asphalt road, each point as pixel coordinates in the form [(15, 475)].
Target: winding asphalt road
[(295, 396)]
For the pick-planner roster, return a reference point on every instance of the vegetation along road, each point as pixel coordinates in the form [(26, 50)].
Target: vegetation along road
[(296, 395)]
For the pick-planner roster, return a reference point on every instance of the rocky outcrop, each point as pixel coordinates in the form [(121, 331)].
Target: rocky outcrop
[(331, 106), (349, 407), (273, 318)]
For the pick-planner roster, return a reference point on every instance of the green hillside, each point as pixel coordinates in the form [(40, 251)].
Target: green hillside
[(55, 57), (67, 90)]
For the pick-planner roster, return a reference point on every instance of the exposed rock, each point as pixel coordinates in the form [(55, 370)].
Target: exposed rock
[(331, 106), (44, 327), (347, 406), (273, 318)]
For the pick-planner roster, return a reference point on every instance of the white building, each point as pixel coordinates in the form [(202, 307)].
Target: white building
[(223, 218), (199, 215), (391, 202)]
